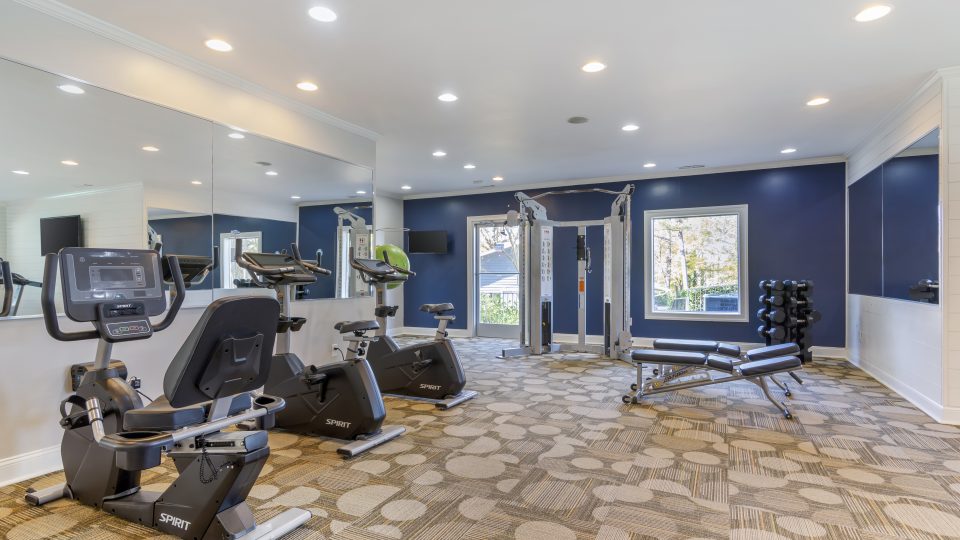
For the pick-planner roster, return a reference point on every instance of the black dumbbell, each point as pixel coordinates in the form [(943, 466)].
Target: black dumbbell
[(775, 332), (803, 286), (806, 319), (772, 300), (771, 285), (772, 315)]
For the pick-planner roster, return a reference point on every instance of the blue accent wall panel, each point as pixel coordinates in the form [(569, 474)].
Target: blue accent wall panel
[(318, 230), (910, 223), (866, 234), (796, 231)]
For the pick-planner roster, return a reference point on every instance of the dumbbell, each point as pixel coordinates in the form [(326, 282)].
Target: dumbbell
[(772, 315), (806, 319), (775, 332), (771, 285), (804, 286), (774, 300), (800, 303)]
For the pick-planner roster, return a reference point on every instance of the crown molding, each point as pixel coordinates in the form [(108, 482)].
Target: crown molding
[(124, 37), (949, 72), (634, 177)]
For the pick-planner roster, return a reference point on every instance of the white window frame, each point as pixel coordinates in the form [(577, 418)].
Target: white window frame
[(743, 315), (225, 265)]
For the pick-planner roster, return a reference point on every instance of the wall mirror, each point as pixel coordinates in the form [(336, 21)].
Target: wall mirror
[(895, 224), (269, 195), (84, 166)]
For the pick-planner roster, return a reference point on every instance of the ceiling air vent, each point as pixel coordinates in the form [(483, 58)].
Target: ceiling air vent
[(578, 120), (691, 167)]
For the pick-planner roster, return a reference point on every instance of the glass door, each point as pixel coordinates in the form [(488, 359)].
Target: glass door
[(496, 279)]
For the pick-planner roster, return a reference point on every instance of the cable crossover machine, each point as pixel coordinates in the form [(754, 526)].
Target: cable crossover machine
[(536, 276)]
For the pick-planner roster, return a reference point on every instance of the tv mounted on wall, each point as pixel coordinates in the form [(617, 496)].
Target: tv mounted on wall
[(57, 233), (427, 242)]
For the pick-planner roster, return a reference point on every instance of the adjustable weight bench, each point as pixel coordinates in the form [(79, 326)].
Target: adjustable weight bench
[(700, 360)]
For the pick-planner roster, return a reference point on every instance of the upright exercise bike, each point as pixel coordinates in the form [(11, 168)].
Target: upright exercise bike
[(339, 400), (6, 279), (110, 437), (428, 371)]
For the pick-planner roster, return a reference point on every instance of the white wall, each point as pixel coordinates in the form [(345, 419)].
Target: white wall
[(950, 247), (65, 41), (112, 217), (3, 230), (240, 204), (896, 341), (388, 223)]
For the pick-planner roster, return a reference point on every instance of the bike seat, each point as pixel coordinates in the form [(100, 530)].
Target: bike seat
[(348, 327), (436, 308), (160, 416)]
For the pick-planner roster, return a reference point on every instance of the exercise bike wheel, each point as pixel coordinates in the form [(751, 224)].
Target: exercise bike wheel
[(627, 399), (633, 387)]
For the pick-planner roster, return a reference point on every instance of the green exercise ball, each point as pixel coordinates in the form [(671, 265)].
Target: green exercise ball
[(396, 257)]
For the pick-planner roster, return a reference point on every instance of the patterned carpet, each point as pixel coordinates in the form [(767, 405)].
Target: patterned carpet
[(548, 452)]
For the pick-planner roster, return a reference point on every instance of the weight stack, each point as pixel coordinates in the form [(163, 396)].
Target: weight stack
[(803, 318), (774, 312)]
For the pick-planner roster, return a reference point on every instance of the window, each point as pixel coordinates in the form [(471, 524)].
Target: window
[(695, 263), (231, 275)]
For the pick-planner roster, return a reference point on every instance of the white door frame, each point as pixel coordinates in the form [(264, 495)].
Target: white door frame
[(472, 222)]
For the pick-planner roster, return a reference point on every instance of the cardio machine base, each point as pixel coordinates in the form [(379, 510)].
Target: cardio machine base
[(442, 404), (359, 446), (527, 350)]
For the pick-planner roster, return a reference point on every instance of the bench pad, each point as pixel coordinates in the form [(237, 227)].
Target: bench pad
[(696, 345), (437, 308), (680, 358), (773, 351), (770, 365)]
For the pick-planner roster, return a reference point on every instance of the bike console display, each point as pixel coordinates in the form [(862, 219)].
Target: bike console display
[(117, 290)]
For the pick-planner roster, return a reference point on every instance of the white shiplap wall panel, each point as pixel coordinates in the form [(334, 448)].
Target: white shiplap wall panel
[(950, 282), (111, 218), (3, 231), (902, 343)]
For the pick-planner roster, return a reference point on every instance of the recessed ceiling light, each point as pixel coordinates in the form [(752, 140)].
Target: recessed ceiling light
[(469, 166), (71, 89), (307, 86), (578, 120), (649, 165), (873, 13), (788, 150), (630, 127), (448, 97), (498, 179), (272, 173), (150, 149), (593, 67), (816, 102), (322, 14), (218, 45), (69, 162), (406, 188), (236, 135), (439, 153), (294, 197), (18, 171), (361, 192), (197, 183)]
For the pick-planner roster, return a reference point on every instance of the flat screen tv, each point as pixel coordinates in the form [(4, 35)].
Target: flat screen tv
[(427, 242), (57, 233)]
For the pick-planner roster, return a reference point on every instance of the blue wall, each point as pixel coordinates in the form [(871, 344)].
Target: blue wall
[(796, 231), (894, 227), (866, 234), (318, 230), (911, 238)]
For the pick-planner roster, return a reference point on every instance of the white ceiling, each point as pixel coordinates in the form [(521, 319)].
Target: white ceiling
[(104, 133), (713, 83)]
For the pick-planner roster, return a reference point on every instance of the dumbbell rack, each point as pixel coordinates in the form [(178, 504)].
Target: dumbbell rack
[(786, 314)]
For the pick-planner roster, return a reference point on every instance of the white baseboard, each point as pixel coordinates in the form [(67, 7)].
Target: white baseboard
[(931, 408), (29, 465), (830, 352)]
